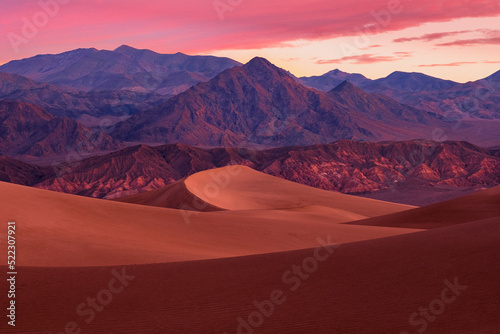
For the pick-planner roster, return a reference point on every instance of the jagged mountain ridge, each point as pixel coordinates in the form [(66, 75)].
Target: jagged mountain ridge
[(259, 103), (345, 166)]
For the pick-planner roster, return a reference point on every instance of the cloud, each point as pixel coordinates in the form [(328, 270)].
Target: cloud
[(432, 37), (458, 63), (196, 26), (371, 47), (365, 59), (473, 41)]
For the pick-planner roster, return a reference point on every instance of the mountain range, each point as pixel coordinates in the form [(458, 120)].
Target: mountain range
[(344, 166), (261, 104), (475, 99), (69, 111), (332, 79), (254, 104), (124, 68), (292, 209)]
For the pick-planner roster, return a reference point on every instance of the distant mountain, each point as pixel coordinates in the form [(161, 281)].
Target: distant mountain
[(394, 84), (125, 68), (443, 169), (452, 100), (75, 104), (259, 103), (398, 83), (28, 130), (476, 99), (495, 77), (377, 107), (330, 80)]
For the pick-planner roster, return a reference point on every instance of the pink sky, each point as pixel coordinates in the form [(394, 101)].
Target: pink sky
[(453, 39)]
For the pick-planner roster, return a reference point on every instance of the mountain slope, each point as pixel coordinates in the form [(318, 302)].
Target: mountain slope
[(376, 106), (75, 104), (404, 82), (18, 172), (478, 99), (125, 68), (332, 79), (259, 103), (28, 130), (129, 171)]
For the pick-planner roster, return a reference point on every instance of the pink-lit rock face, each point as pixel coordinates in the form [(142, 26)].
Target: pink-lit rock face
[(345, 166)]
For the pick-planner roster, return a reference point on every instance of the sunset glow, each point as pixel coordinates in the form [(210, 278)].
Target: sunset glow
[(456, 40)]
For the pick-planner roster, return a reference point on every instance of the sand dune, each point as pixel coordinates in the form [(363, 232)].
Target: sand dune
[(242, 188), (480, 205), (372, 286), (217, 272), (174, 196), (56, 229)]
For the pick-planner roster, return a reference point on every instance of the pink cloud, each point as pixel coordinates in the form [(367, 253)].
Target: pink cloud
[(196, 26), (371, 47), (469, 42), (458, 63), (431, 37), (365, 59)]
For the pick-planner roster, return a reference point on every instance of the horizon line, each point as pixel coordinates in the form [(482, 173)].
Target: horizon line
[(243, 63)]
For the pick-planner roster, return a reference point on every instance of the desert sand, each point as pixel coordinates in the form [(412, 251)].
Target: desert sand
[(282, 259), (242, 188), (477, 206), (58, 229), (371, 286)]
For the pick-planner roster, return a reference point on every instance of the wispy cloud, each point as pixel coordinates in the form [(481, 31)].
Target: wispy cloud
[(432, 37), (195, 26), (403, 53), (365, 59), (458, 63), (472, 41), (371, 47)]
